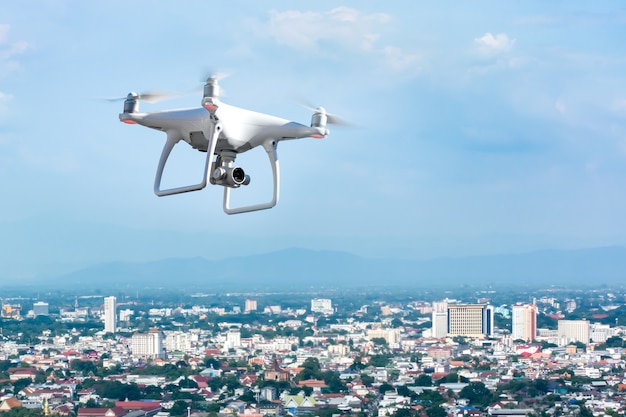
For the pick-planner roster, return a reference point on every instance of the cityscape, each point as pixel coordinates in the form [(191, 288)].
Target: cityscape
[(467, 352), (312, 209)]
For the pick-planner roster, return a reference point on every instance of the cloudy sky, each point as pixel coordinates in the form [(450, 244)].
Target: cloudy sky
[(477, 127)]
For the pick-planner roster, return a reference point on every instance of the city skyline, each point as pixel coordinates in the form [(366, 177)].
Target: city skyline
[(282, 360)]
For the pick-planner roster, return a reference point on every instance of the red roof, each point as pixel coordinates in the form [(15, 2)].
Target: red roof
[(138, 405), (202, 381), (101, 412), (313, 383)]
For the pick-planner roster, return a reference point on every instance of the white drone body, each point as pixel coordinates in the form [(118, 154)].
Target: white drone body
[(224, 131)]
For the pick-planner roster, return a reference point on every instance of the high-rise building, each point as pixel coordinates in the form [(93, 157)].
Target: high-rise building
[(41, 308), (391, 336), (524, 322), (148, 345), (177, 341), (126, 314), (11, 311), (572, 331), (470, 320), (250, 305), (233, 339), (110, 316), (322, 305), (440, 320), (599, 333)]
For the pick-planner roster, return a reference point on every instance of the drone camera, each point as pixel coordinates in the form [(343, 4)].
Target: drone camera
[(230, 177)]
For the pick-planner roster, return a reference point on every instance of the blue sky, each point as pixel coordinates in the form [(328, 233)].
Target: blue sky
[(479, 127)]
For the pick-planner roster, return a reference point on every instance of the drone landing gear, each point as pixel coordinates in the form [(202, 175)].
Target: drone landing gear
[(172, 139), (227, 161)]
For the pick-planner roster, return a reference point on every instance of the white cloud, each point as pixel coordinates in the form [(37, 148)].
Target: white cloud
[(619, 106), (560, 106), (8, 51), (400, 61), (489, 45), (343, 28), (343, 25), (5, 98), (4, 32)]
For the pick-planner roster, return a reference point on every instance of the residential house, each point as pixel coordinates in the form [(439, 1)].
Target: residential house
[(101, 412), (9, 403)]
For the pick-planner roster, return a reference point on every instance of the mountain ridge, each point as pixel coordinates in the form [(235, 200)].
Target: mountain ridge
[(297, 268)]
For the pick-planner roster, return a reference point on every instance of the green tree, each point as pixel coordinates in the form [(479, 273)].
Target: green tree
[(335, 384), (311, 370), (367, 380), (477, 394), (23, 412), (20, 384), (451, 377), (431, 398), (424, 380), (179, 408), (379, 361), (117, 390), (402, 412), (379, 341), (385, 387), (84, 367), (614, 341), (435, 411), (405, 391), (357, 364)]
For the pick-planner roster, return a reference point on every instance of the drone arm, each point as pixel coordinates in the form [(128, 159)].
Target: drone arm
[(172, 139), (270, 147)]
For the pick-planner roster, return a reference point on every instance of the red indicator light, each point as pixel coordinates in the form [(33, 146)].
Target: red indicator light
[(317, 136), (130, 122)]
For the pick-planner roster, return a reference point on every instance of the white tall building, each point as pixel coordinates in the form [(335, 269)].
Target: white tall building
[(126, 314), (524, 322), (250, 305), (601, 332), (148, 345), (110, 316), (572, 331), (177, 341), (233, 339), (322, 305), (470, 320), (440, 320), (391, 336), (41, 308)]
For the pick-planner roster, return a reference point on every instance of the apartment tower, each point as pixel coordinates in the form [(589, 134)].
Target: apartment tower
[(440, 320), (110, 315), (470, 320), (524, 322)]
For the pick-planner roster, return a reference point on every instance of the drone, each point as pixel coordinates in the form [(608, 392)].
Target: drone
[(222, 131)]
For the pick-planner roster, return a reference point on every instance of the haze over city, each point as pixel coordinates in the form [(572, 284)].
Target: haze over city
[(477, 128)]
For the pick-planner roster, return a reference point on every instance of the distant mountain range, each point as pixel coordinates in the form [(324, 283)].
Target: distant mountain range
[(303, 268)]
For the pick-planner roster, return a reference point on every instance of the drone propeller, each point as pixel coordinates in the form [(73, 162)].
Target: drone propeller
[(331, 119), (148, 97), (211, 74)]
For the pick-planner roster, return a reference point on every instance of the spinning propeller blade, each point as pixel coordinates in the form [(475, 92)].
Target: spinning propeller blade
[(210, 73), (148, 97), (331, 119)]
